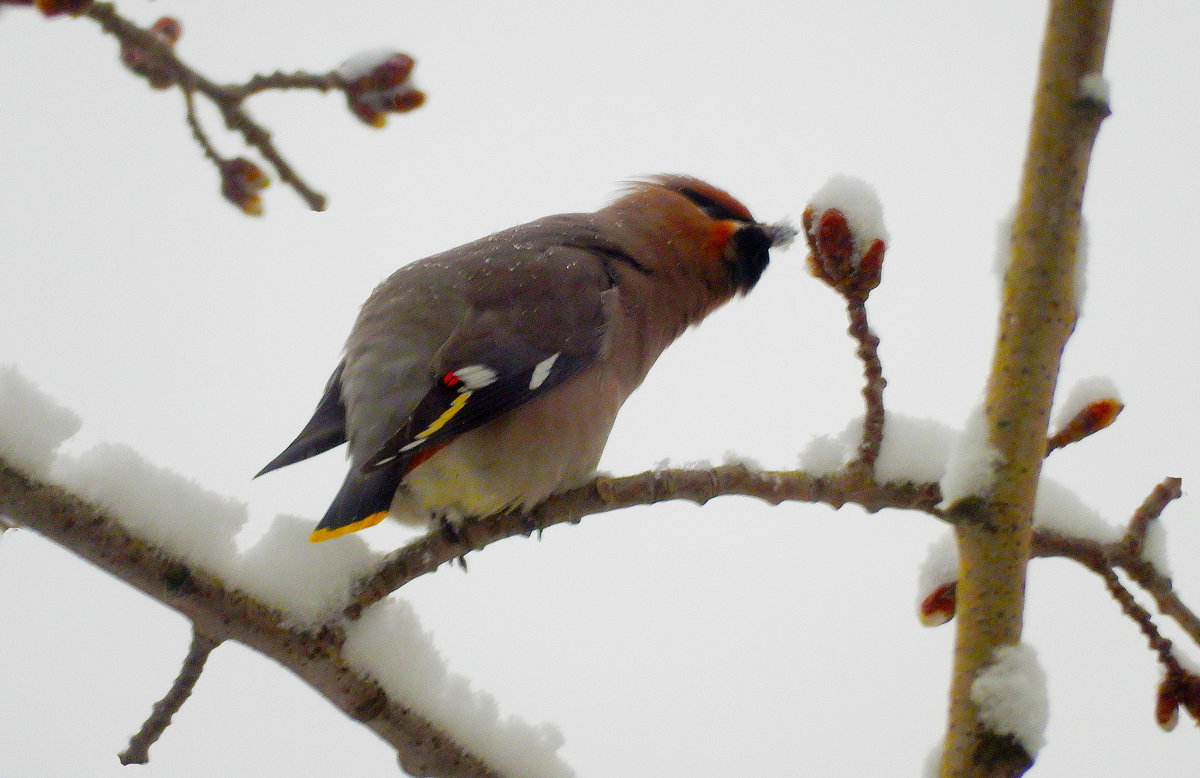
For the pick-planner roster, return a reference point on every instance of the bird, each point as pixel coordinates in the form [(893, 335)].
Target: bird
[(488, 377)]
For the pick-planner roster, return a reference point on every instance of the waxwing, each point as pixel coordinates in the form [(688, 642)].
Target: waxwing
[(488, 377)]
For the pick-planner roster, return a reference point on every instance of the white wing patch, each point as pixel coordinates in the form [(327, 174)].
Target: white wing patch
[(542, 371), (476, 376)]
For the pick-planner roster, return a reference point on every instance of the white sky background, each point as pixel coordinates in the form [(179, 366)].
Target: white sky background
[(737, 639)]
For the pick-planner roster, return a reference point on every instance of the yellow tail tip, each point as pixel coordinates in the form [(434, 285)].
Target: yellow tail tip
[(329, 533)]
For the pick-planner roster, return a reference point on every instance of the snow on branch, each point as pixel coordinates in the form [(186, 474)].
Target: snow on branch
[(1011, 695), (33, 425), (173, 540), (389, 644), (224, 613)]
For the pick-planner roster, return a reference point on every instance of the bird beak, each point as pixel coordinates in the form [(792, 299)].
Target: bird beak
[(781, 233)]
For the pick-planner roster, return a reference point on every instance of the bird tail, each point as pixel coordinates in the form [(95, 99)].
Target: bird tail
[(363, 501), (326, 428)]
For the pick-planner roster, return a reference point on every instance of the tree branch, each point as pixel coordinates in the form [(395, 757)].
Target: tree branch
[(382, 87), (604, 494), (315, 657), (1038, 314), (224, 614), (1179, 687), (227, 100)]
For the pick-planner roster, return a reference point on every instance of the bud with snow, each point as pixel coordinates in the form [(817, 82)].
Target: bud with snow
[(1090, 406), (378, 83), (937, 589), (843, 224)]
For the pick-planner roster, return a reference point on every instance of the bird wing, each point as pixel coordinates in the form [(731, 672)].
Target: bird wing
[(519, 340)]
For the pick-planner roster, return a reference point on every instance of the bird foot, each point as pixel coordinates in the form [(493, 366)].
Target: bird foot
[(453, 534)]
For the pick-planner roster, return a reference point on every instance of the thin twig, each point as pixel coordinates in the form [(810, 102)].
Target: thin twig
[(1143, 618), (236, 118), (198, 131), (227, 99), (872, 391), (138, 751), (1148, 512), (322, 82), (1105, 559), (1166, 599)]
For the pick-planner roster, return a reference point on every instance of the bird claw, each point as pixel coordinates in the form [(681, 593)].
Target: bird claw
[(449, 532), (530, 526), (453, 534)]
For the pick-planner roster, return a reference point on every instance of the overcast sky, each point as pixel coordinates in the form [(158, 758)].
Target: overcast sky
[(737, 639)]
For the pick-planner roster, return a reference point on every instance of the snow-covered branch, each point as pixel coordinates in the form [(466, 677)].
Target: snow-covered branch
[(224, 613)]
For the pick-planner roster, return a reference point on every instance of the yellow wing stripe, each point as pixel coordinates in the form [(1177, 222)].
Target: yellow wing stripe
[(449, 413), (329, 533)]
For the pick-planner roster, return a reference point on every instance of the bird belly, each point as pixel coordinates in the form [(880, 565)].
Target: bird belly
[(548, 445)]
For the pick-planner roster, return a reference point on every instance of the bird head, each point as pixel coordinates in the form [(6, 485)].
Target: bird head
[(690, 227)]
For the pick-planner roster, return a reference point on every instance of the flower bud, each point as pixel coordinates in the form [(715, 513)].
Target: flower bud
[(843, 224), (241, 181), (938, 608), (60, 7), (377, 83), (1166, 706), (144, 63)]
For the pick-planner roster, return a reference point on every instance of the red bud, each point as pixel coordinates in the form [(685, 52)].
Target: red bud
[(60, 7), (241, 181), (1166, 706), (938, 608), (407, 100), (168, 28), (392, 71), (832, 257), (1094, 417), (377, 83)]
